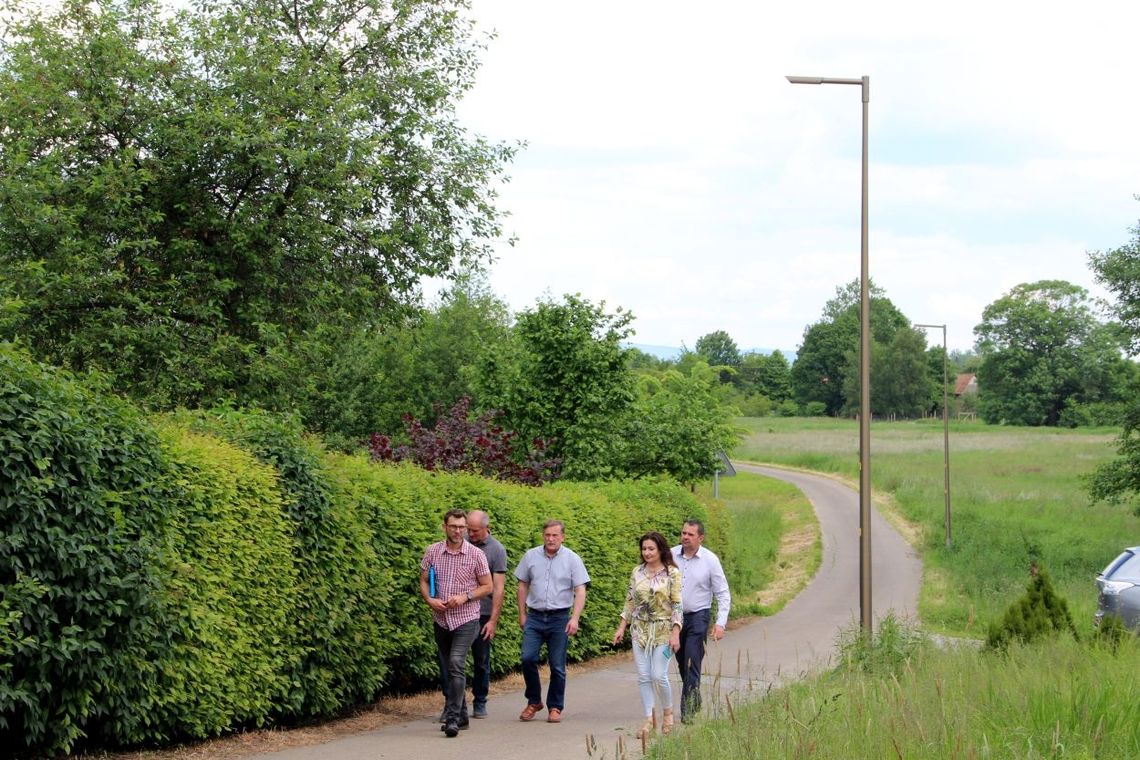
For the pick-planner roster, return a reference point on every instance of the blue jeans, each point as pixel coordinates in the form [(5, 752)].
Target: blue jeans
[(690, 657), (545, 628), (453, 647)]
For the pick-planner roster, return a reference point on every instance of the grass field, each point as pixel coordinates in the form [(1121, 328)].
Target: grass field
[(1017, 495)]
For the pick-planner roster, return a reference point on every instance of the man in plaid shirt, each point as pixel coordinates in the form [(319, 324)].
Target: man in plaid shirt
[(461, 577)]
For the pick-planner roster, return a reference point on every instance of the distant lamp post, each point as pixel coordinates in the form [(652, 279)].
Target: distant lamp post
[(865, 618), (945, 428)]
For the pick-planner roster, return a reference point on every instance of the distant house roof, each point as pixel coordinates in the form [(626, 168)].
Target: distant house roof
[(967, 382)]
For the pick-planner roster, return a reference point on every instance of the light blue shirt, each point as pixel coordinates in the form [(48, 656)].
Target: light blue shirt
[(702, 579), (551, 580)]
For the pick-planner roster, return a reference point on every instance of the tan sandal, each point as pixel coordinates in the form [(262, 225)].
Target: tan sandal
[(666, 722), (647, 730)]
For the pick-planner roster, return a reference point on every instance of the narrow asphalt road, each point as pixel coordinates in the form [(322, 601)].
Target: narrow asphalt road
[(602, 706)]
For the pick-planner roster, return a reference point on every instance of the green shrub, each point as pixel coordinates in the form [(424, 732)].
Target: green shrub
[(1040, 612), (815, 409), (788, 408), (80, 519), (1110, 632), (341, 639), (1091, 414), (228, 586), (402, 508)]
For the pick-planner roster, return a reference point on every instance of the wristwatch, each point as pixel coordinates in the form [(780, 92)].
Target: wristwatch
[(469, 597)]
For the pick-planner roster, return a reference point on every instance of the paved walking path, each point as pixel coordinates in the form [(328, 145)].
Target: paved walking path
[(603, 707)]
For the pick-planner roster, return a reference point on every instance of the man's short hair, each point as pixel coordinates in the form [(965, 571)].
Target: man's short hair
[(700, 526), (454, 513), (552, 523)]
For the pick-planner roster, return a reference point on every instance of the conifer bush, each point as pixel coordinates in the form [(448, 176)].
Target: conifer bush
[(1039, 613)]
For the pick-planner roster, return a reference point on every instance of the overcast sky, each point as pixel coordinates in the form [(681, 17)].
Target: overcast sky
[(672, 170)]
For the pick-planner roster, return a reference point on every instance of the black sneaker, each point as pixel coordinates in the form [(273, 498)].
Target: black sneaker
[(462, 724), (451, 730)]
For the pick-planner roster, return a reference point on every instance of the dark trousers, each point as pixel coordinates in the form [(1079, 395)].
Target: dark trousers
[(690, 657), (453, 647), (481, 658), (545, 628)]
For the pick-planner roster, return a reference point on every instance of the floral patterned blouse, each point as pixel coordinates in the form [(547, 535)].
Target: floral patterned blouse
[(653, 605)]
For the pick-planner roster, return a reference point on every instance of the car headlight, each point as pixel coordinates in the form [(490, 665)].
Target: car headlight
[(1114, 587)]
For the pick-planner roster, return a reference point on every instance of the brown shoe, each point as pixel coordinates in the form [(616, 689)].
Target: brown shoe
[(529, 711), (555, 715)]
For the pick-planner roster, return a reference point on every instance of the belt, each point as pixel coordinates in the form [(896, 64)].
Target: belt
[(559, 611)]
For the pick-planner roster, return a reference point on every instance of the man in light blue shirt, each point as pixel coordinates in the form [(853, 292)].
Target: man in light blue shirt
[(702, 580), (552, 592)]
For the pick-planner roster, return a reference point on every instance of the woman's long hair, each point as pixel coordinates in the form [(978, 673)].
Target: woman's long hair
[(662, 547)]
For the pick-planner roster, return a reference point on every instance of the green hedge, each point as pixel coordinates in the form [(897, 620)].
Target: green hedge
[(344, 652), (228, 590), (81, 518), (203, 572)]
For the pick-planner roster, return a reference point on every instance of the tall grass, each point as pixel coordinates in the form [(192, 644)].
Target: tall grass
[(1056, 699), (1017, 496)]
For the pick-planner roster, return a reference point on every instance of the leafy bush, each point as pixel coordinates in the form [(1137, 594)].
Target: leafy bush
[(339, 579), (458, 443), (228, 587), (164, 584), (788, 408), (814, 409), (1040, 612), (755, 406), (81, 516), (1091, 414)]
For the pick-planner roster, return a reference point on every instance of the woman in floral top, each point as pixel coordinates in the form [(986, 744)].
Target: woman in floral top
[(653, 604)]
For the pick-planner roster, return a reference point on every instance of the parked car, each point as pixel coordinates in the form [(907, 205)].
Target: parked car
[(1119, 587)]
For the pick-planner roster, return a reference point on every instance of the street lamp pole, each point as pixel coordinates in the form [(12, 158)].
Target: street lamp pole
[(865, 618), (945, 429)]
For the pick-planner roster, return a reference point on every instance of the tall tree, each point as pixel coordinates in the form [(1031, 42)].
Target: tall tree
[(719, 349), (767, 374), (677, 426), (565, 378), (371, 379), (1042, 350), (821, 369), (186, 192), (1118, 270), (904, 382)]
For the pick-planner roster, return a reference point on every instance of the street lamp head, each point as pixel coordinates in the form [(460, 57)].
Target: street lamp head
[(805, 80)]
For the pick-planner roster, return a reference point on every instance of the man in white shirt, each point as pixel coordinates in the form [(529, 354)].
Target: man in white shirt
[(702, 580)]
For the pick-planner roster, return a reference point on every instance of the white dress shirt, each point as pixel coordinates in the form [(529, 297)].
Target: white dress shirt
[(702, 579)]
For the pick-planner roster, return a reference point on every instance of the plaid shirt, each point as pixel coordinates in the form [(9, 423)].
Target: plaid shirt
[(455, 573)]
